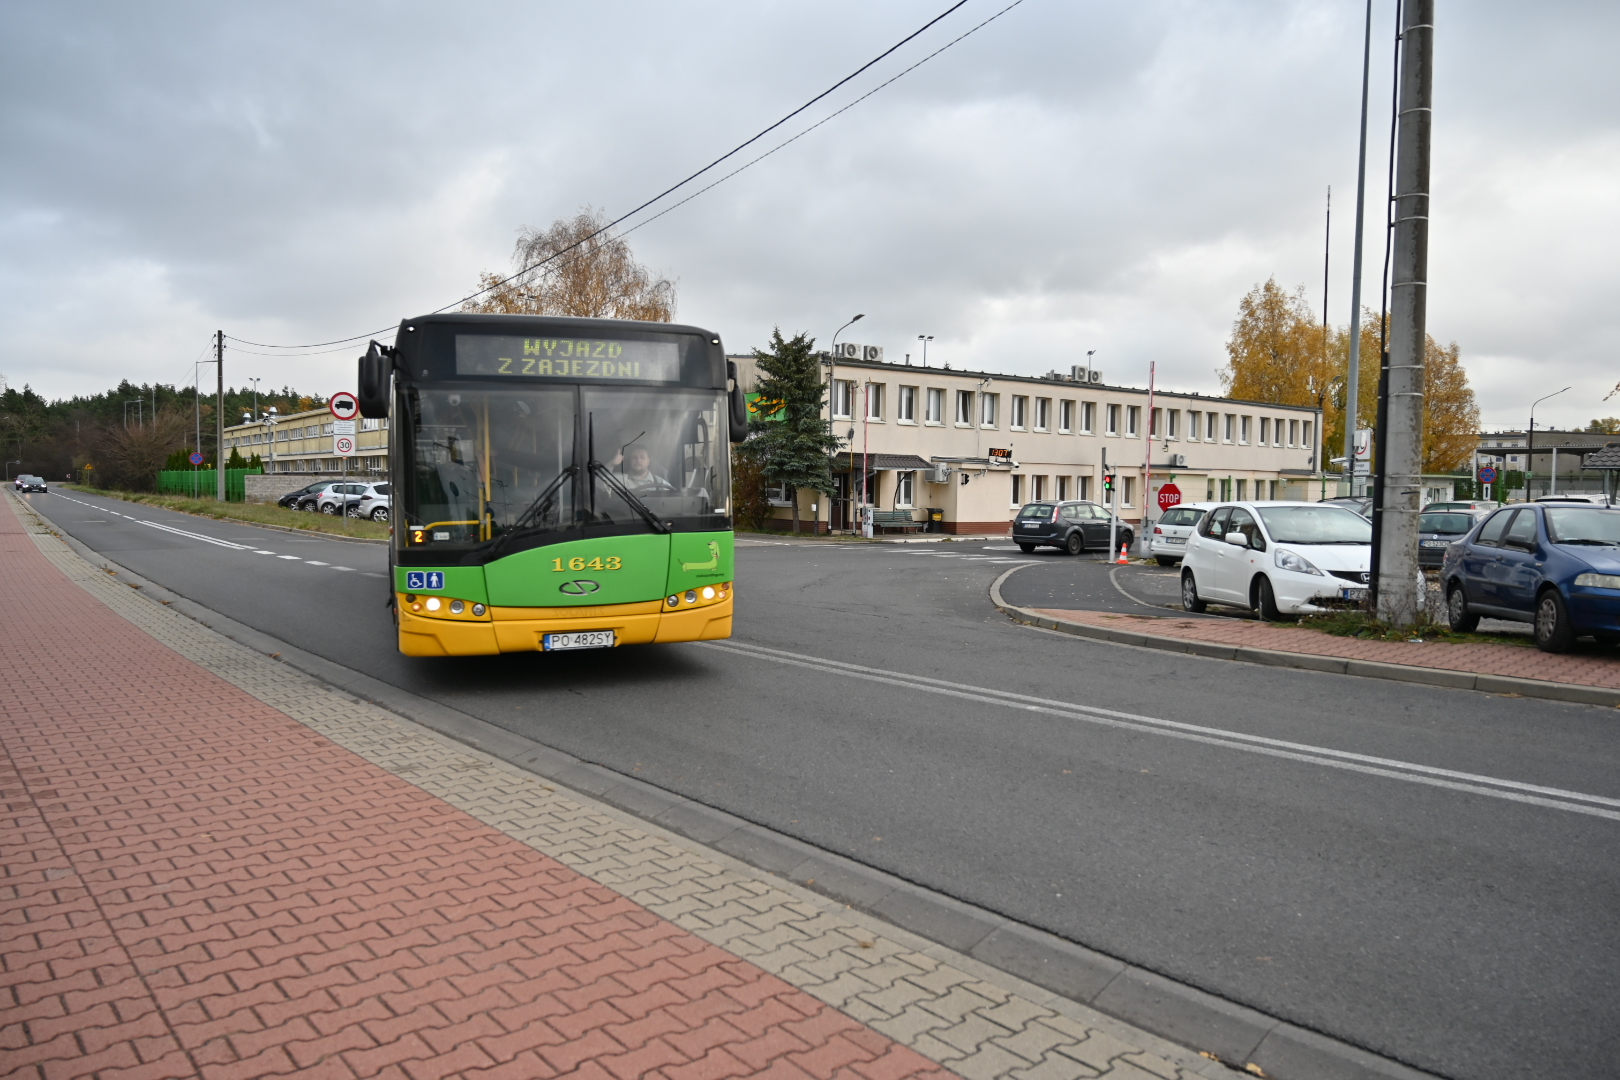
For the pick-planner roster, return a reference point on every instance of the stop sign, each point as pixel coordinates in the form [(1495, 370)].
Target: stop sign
[(1169, 495)]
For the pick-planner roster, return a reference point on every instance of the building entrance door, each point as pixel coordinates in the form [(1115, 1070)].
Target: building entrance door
[(841, 516)]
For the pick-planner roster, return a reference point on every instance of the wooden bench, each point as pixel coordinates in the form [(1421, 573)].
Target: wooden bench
[(895, 519)]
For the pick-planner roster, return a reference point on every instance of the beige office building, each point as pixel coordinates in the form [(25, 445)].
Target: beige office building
[(301, 443), (977, 445)]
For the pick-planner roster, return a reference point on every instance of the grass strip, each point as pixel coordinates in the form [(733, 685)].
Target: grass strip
[(254, 513)]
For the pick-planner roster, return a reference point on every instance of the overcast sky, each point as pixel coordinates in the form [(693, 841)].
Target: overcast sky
[(1074, 176)]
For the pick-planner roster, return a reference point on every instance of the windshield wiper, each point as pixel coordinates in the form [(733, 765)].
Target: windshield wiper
[(544, 504), (1591, 542), (617, 487)]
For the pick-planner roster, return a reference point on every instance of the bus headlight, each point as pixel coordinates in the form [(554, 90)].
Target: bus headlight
[(674, 601), (478, 609), (708, 592), (457, 607), (691, 596)]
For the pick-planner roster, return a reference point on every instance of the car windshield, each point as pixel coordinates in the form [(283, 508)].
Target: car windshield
[(1037, 510), (1590, 525), (1181, 515), (1315, 525), (1447, 524)]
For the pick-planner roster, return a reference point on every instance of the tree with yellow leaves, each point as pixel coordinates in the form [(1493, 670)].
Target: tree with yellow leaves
[(576, 267), (1279, 353)]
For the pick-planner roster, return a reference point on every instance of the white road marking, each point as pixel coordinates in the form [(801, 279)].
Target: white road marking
[(1410, 772), (294, 558), (312, 562), (264, 553), (343, 568)]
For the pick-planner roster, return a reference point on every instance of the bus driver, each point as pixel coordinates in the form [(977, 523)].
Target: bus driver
[(636, 473)]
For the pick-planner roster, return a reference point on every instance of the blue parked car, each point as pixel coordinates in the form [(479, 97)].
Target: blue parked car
[(1555, 567)]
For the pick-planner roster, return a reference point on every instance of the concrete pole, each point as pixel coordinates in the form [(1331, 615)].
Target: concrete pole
[(1401, 465), (219, 415)]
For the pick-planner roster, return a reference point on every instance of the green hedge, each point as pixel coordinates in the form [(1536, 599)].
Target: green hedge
[(200, 483)]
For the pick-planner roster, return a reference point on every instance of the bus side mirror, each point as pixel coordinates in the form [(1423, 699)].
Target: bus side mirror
[(373, 382), (739, 405)]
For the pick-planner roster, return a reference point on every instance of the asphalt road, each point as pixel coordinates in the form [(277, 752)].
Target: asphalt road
[(1453, 905)]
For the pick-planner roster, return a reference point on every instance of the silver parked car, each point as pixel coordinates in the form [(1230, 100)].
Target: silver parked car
[(357, 501)]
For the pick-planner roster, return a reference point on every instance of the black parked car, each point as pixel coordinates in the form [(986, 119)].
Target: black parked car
[(1439, 529), (292, 498), (1072, 526)]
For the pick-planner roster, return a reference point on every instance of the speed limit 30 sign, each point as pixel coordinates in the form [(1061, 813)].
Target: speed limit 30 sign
[(343, 445)]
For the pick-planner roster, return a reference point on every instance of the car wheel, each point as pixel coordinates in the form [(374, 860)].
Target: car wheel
[(1027, 549), (1458, 616), (1266, 601), (380, 514), (1553, 632), (1189, 593), (1127, 540), (330, 509), (1167, 560), (352, 511), (1075, 544)]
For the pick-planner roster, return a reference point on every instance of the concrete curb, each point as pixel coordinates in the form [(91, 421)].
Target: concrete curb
[(1336, 665), (1233, 1034)]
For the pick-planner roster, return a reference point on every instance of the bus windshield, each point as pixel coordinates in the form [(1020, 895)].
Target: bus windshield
[(497, 469)]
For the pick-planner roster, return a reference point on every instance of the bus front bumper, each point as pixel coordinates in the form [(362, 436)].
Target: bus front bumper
[(506, 630)]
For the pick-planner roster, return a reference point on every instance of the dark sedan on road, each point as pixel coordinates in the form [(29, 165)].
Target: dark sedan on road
[(1072, 526), (1554, 566), (1439, 529), (32, 483)]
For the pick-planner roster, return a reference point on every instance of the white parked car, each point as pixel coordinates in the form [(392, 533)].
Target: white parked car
[(1277, 558), (1168, 540), (357, 501)]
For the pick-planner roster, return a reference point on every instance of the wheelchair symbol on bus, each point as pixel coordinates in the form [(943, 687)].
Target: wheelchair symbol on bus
[(424, 580)]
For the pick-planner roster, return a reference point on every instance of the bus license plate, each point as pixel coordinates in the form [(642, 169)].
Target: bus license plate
[(580, 639), (1355, 594)]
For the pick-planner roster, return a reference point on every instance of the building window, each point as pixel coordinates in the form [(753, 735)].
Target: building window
[(1155, 423), (1265, 430), (1243, 427), (1242, 490), (936, 406), (1277, 432), (1043, 414), (1017, 490), (1231, 430), (1210, 421), (1019, 419), (1305, 433), (1062, 493), (1066, 417), (1226, 489), (1133, 420), (906, 408), (1113, 421), (1195, 424), (365, 425), (1172, 424), (1272, 484), (843, 399), (1127, 491), (1084, 489), (874, 401), (1209, 491), (988, 404), (1293, 433), (1038, 488), (1088, 417), (964, 408), (904, 483)]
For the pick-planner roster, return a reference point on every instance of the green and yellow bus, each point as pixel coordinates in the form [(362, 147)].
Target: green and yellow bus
[(558, 483)]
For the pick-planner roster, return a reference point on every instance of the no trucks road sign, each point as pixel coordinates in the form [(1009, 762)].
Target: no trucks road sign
[(344, 406)]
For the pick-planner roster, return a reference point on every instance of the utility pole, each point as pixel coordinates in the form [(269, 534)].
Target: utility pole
[(219, 415), (1400, 462), (1352, 386)]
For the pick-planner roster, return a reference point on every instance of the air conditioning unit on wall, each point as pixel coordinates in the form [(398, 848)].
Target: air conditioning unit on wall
[(874, 353), (847, 351), (939, 474), (1082, 374), (1178, 461)]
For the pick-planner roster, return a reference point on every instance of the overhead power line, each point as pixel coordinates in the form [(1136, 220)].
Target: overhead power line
[(676, 187)]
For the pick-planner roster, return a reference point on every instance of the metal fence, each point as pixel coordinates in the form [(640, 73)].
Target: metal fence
[(201, 484)]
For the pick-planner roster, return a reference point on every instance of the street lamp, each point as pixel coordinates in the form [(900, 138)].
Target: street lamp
[(1530, 446), (255, 383), (9, 464), (832, 359), (925, 339)]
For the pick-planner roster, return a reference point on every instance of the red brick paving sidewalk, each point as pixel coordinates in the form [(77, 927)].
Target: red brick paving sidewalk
[(193, 884), (1506, 660)]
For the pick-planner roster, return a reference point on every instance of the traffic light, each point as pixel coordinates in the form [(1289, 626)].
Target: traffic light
[(1108, 481)]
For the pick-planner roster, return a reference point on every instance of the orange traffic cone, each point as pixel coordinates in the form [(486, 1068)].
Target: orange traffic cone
[(1122, 560)]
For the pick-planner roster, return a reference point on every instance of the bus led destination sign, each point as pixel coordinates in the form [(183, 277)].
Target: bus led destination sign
[(568, 358)]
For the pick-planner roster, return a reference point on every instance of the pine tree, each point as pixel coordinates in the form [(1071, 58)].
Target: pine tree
[(793, 444)]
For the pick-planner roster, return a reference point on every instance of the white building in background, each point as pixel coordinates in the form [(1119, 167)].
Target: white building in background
[(976, 445)]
